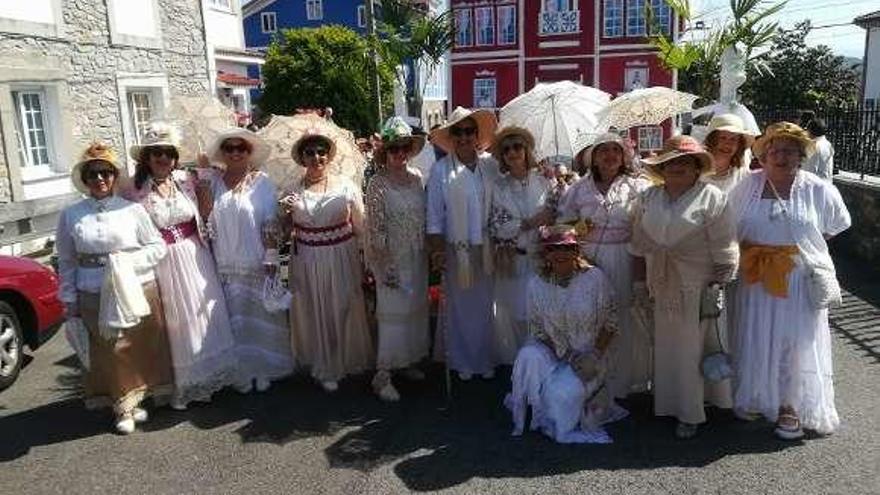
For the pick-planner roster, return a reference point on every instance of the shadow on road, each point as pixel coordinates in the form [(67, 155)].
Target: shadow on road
[(435, 443), (858, 320)]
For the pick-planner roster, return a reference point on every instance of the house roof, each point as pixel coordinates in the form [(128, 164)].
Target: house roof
[(868, 20), (255, 6), (237, 80)]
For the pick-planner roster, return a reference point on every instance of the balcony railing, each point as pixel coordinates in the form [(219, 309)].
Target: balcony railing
[(564, 22)]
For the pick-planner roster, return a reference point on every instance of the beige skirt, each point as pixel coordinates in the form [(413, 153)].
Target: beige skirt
[(136, 365)]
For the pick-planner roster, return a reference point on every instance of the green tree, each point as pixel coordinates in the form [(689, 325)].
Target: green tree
[(323, 67), (801, 77), (699, 60)]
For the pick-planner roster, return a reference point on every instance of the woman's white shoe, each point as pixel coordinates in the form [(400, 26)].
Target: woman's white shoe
[(139, 415), (125, 424), (330, 385)]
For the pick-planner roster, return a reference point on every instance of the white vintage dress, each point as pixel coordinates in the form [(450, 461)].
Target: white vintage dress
[(610, 218), (682, 241), (571, 317), (236, 223), (328, 316), (784, 344), (202, 346), (513, 201), (396, 251)]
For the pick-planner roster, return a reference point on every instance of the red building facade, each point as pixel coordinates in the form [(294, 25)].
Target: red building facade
[(504, 47)]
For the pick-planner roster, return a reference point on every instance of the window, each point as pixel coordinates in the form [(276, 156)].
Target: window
[(635, 17), (464, 27), (613, 15), (650, 138), (484, 93), (140, 108), (485, 25), (314, 10), (557, 5), (32, 124), (362, 16), (223, 4), (268, 22), (662, 15), (507, 25)]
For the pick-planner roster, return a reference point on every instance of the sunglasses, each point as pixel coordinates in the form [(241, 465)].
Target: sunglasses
[(394, 149), (512, 146), (558, 248), (232, 148), (317, 151), (103, 174), (463, 131), (160, 151)]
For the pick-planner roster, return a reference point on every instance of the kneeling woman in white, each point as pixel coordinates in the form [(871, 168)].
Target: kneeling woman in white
[(561, 370)]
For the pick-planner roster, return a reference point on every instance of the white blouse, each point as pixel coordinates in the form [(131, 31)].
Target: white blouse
[(101, 227), (609, 214)]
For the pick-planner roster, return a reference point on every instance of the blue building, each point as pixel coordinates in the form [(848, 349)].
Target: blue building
[(264, 18)]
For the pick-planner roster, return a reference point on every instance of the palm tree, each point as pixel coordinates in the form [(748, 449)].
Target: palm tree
[(408, 34), (699, 61)]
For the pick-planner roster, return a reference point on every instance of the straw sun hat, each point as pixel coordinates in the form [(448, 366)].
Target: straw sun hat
[(678, 146), (96, 152), (730, 123), (157, 134), (510, 132), (259, 148), (486, 124), (396, 131), (784, 130)]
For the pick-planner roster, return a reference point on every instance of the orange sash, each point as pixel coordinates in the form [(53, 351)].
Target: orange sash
[(768, 264)]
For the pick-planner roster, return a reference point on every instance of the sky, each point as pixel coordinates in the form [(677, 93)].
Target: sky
[(847, 40)]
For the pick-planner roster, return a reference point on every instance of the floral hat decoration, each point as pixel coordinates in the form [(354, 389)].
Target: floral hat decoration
[(397, 132), (785, 130), (158, 133)]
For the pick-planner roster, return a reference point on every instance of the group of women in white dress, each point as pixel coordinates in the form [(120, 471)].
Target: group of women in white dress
[(592, 291)]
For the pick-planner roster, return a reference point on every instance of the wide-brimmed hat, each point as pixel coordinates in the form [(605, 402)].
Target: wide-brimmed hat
[(396, 131), (731, 123), (509, 132), (312, 134), (678, 146), (585, 146), (157, 134), (486, 124), (785, 130), (259, 148), (96, 152)]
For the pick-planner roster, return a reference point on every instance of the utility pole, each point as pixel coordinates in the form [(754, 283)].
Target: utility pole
[(374, 80)]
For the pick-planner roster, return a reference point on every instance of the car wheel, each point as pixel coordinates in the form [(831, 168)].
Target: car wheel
[(11, 343)]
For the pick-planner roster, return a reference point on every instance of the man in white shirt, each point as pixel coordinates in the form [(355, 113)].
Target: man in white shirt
[(821, 162), (458, 244)]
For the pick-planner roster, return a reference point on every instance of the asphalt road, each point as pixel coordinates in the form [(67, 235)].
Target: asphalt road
[(297, 439)]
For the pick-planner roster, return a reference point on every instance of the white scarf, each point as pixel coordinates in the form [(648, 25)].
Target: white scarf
[(123, 302), (459, 187)]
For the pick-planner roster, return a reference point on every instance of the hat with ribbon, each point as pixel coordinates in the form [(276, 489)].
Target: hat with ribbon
[(676, 147), (784, 130), (158, 133), (396, 132), (96, 152)]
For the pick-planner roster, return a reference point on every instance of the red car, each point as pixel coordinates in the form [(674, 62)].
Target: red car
[(30, 311)]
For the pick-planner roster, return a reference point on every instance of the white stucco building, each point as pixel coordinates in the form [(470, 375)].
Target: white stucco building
[(228, 59), (871, 69)]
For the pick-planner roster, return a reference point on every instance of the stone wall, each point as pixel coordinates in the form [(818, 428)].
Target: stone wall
[(91, 62), (83, 66), (862, 240)]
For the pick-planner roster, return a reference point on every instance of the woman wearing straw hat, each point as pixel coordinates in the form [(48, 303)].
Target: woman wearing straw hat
[(602, 200), (728, 141), (685, 231), (328, 316), (519, 207), (240, 204), (202, 347), (459, 196), (562, 369), (395, 249), (786, 283), (107, 249)]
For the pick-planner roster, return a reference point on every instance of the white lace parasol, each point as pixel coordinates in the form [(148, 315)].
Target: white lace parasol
[(283, 131), (200, 119)]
